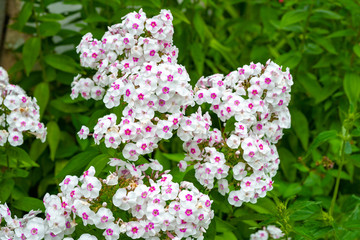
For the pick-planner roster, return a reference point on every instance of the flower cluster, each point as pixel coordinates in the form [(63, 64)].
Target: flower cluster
[(136, 69), (253, 102), (127, 202), (269, 231), (18, 113)]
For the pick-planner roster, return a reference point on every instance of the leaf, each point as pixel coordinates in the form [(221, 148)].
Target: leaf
[(77, 163), (287, 159), (37, 148), (356, 49), (20, 156), (224, 51), (342, 33), (347, 149), (230, 125), (223, 226), (24, 16), (320, 139), (327, 14), (99, 162), (301, 127), (302, 210), (177, 157), (290, 59), (198, 56), (179, 16), (326, 43), (292, 189), (67, 108), (31, 51), (63, 63), (51, 17), (6, 187), (48, 29), (199, 26), (292, 17), (352, 86), (42, 94), (211, 231), (343, 175), (53, 138), (95, 18), (28, 203)]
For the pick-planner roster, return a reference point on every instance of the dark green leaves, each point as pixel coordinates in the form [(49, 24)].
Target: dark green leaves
[(352, 86), (29, 203), (290, 59), (293, 17), (322, 138), (42, 95), (197, 53), (62, 63), (31, 51), (301, 127), (53, 138)]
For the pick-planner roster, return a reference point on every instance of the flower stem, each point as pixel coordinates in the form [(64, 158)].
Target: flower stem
[(341, 163)]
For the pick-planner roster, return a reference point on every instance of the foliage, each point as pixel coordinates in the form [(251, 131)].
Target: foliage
[(317, 192)]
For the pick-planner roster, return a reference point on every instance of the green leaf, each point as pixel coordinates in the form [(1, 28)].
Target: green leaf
[(302, 210), (320, 139), (31, 51), (352, 86), (6, 187), (53, 138), (199, 26), (67, 108), (347, 148), (224, 51), (287, 160), (177, 157), (51, 17), (327, 14), (290, 59), (230, 125), (95, 18), (42, 94), (301, 127), (99, 162), (48, 29), (223, 226), (342, 33), (292, 189), (179, 16), (28, 203), (198, 56), (326, 43), (77, 163), (37, 148), (24, 16), (356, 49), (63, 63), (20, 156), (293, 17), (343, 175)]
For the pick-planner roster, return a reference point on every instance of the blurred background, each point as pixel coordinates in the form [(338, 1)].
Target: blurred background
[(318, 40)]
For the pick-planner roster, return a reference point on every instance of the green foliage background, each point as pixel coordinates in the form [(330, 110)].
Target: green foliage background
[(317, 190)]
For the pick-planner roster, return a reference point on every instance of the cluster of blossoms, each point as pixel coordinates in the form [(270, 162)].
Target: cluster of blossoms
[(18, 113), (128, 201), (269, 231), (136, 69), (254, 99)]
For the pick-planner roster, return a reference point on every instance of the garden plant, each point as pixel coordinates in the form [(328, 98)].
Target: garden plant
[(167, 120)]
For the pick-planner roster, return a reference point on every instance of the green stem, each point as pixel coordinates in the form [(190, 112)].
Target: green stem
[(341, 163)]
